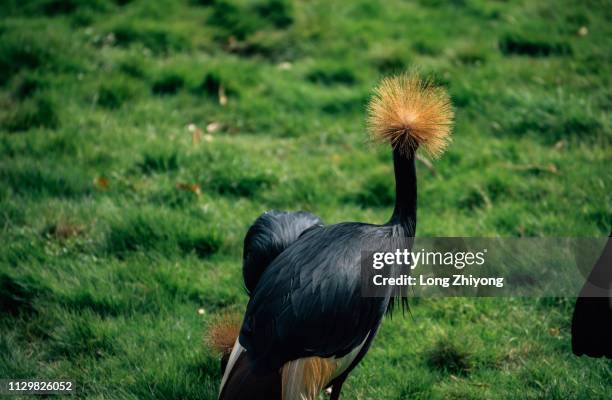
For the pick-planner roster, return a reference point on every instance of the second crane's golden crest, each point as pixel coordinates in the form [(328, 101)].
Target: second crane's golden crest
[(410, 112)]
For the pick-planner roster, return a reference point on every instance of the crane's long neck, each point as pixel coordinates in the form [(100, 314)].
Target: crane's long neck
[(404, 214)]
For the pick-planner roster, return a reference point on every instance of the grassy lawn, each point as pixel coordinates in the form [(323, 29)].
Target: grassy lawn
[(140, 139)]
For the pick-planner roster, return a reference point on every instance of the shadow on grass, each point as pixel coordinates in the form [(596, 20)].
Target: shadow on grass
[(446, 356), (17, 295), (167, 233)]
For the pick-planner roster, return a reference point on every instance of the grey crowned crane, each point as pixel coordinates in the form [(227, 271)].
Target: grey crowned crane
[(306, 325)]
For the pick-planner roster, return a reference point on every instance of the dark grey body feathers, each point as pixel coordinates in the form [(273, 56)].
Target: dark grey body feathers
[(269, 235), (308, 301), (304, 282)]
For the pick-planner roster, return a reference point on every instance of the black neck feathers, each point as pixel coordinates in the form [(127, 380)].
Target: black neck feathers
[(404, 214)]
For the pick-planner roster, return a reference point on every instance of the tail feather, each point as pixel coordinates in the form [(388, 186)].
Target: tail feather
[(305, 378), (241, 383)]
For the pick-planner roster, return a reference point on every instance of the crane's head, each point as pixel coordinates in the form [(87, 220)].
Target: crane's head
[(410, 112)]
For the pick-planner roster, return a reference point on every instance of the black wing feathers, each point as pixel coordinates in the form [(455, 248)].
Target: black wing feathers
[(308, 301), (269, 235)]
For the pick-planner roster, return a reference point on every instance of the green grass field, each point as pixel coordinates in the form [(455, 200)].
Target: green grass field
[(122, 228)]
